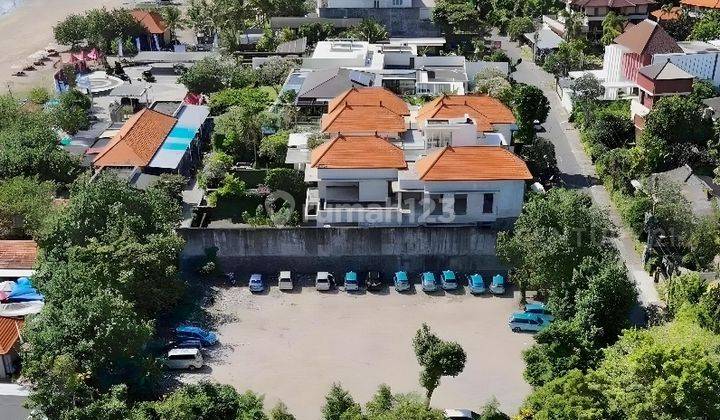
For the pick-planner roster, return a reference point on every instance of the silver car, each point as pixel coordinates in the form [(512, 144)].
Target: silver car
[(186, 358)]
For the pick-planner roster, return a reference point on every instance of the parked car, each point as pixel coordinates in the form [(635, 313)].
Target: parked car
[(460, 414), (497, 287), (539, 309), (256, 283), (521, 321), (373, 281), (427, 279), (285, 281), (184, 359), (448, 280), (351, 281), (401, 281), (324, 280), (189, 332), (183, 344), (476, 284)]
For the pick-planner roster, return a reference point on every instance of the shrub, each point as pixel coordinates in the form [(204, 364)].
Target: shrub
[(39, 96), (217, 165)]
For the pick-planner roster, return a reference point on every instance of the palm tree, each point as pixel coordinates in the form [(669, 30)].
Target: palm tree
[(612, 26), (574, 22), (369, 30), (174, 20)]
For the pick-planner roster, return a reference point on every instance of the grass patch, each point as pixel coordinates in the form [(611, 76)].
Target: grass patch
[(233, 208), (251, 177)]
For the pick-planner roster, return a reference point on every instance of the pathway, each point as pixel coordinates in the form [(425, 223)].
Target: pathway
[(577, 169)]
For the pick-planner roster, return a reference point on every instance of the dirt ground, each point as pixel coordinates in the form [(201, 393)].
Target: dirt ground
[(293, 346)]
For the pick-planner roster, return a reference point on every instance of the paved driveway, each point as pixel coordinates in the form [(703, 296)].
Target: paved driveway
[(293, 346)]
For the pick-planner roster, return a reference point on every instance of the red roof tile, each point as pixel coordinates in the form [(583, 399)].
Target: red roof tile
[(472, 163), (349, 119), (17, 254), (370, 96), (483, 109), (708, 4), (137, 141), (9, 333), (672, 14), (358, 152), (151, 21)]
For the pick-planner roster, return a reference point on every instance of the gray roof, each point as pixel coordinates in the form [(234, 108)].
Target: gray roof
[(171, 56), (698, 190), (547, 39), (130, 90), (329, 83), (296, 22), (296, 46), (665, 71)]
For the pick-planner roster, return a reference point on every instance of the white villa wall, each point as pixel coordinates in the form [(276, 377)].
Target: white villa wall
[(612, 63), (329, 63), (441, 61), (367, 4), (507, 203)]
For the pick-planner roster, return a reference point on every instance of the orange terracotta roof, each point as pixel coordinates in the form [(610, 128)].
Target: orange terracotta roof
[(472, 163), (358, 152), (9, 333), (672, 14), (137, 141), (710, 4), (151, 21), (370, 96), (17, 254), (483, 109), (350, 119)]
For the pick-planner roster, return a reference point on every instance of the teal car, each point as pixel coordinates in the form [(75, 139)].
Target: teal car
[(476, 284), (522, 321), (538, 309), (351, 281), (448, 281), (401, 281), (428, 282)]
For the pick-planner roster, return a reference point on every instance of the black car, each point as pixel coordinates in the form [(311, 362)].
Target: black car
[(373, 281)]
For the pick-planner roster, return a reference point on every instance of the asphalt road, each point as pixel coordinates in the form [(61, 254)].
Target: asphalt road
[(577, 169)]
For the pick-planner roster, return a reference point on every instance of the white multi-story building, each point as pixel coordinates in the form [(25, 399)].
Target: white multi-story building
[(410, 18)]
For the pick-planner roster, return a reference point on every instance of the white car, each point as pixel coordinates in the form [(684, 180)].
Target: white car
[(460, 414), (285, 281), (324, 281), (188, 358)]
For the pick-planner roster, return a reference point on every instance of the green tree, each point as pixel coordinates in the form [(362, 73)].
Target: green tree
[(493, 82), (568, 397), (39, 95), (71, 115), (251, 99), (453, 16), (678, 119), (707, 27), (529, 104), (517, 27), (703, 89), (215, 166), (268, 41), (437, 358), (569, 56), (205, 76), (280, 412), (683, 290), (541, 160), (612, 26), (273, 149), (491, 411), (205, 401), (338, 402), (71, 31), (553, 234), (174, 19), (24, 205), (288, 180), (171, 185), (368, 30), (274, 71), (238, 132), (709, 309)]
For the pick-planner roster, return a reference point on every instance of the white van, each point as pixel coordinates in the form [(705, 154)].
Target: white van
[(184, 359), (285, 281), (324, 280)]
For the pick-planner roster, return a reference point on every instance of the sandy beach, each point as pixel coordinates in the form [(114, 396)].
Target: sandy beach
[(28, 28)]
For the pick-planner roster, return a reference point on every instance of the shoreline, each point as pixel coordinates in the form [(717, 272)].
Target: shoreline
[(27, 28)]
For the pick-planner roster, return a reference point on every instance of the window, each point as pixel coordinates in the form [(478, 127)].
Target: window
[(436, 204), (488, 199), (460, 204), (376, 4), (397, 2)]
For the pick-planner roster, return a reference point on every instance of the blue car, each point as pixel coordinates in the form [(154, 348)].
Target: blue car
[(538, 309), (401, 281), (476, 284), (428, 282), (448, 280), (256, 283), (497, 287), (188, 332), (522, 321), (351, 281)]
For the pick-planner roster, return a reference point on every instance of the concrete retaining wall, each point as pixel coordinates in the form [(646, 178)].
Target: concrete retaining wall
[(306, 250)]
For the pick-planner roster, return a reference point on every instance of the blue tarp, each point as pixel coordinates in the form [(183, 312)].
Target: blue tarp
[(351, 276), (24, 291), (449, 275), (477, 280), (401, 276), (429, 277), (498, 280)]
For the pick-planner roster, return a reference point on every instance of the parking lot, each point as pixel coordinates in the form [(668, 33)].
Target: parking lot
[(292, 346)]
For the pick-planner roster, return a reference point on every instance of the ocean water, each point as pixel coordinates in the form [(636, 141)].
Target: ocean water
[(7, 5)]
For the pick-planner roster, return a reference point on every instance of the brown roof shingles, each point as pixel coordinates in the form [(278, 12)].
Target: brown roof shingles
[(370, 96), (9, 333), (483, 109), (358, 152), (365, 110), (151, 21), (17, 254), (472, 163), (138, 140), (648, 38)]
